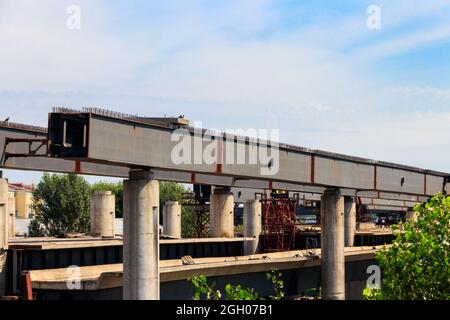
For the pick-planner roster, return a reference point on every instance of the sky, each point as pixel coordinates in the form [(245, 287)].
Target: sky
[(316, 70)]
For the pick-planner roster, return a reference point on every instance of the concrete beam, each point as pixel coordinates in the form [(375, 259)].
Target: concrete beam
[(296, 165)]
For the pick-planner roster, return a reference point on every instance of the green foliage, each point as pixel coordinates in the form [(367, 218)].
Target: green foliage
[(62, 205), (188, 223), (416, 266), (235, 293), (171, 191), (36, 229), (116, 189), (373, 294), (278, 284), (203, 289)]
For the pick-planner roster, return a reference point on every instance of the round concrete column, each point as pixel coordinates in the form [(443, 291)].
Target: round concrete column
[(222, 214), (349, 221), (103, 214), (332, 242), (23, 200), (11, 215), (172, 219), (252, 226), (4, 192), (141, 237)]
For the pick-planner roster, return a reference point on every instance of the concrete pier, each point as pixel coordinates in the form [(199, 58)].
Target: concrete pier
[(172, 219), (23, 201), (349, 221), (252, 226), (4, 192), (4, 195), (141, 237), (222, 213), (11, 215), (332, 238), (103, 214)]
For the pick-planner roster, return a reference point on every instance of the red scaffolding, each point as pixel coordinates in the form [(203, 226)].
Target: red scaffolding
[(279, 223)]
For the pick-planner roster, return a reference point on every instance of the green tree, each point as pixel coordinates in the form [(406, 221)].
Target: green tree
[(61, 205), (416, 266), (116, 188), (171, 191)]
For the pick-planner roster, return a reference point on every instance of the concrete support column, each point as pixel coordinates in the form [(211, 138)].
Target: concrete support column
[(4, 192), (222, 213), (172, 219), (141, 237), (11, 216), (103, 214), (252, 226), (23, 200), (332, 241), (349, 221)]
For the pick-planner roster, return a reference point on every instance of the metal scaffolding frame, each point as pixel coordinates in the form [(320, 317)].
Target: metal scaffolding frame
[(279, 223)]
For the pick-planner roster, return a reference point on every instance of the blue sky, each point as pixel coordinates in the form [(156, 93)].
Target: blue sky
[(309, 68)]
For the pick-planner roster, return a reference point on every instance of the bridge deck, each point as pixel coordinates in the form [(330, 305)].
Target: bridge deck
[(110, 276)]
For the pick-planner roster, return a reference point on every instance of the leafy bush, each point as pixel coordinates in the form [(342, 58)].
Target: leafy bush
[(235, 293), (202, 288), (417, 265), (278, 285)]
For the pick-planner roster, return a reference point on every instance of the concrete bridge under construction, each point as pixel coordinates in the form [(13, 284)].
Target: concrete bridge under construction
[(141, 150)]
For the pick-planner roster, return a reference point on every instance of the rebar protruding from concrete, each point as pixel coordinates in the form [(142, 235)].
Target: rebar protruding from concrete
[(222, 213), (332, 242), (103, 214), (141, 237), (172, 219), (252, 226)]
